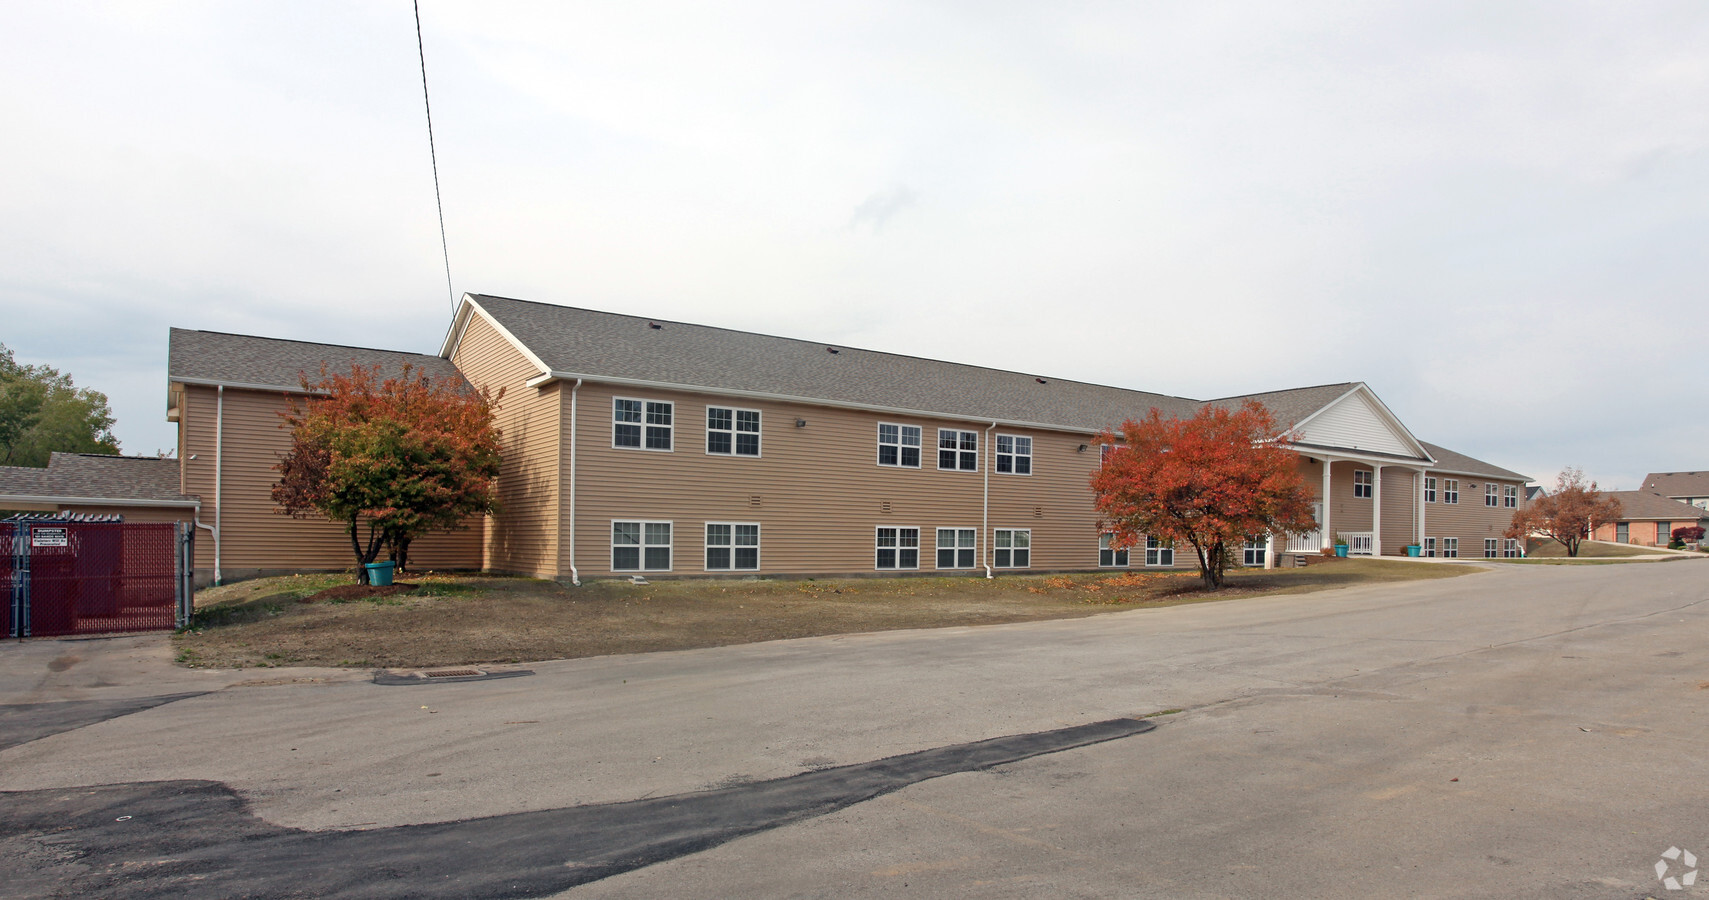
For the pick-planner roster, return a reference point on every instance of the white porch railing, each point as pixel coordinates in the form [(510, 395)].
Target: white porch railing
[(1359, 543), (1305, 543)]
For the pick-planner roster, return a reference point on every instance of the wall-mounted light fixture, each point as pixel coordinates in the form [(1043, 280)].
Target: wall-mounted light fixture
[(800, 423), (1081, 449)]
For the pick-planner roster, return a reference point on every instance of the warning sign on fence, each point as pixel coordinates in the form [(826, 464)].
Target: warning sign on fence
[(48, 537)]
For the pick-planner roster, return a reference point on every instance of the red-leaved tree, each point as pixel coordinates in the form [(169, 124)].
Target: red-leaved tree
[(1569, 514), (1208, 481), (406, 456)]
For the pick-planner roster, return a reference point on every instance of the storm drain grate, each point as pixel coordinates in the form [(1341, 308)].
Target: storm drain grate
[(452, 673)]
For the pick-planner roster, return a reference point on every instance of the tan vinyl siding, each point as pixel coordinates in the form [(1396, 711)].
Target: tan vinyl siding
[(817, 490), (253, 535), (523, 537), (1469, 520)]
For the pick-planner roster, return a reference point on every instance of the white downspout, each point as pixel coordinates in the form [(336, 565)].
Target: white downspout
[(219, 470), (985, 510), (575, 576)]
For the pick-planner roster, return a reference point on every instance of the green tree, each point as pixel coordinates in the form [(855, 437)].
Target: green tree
[(41, 411), (406, 456)]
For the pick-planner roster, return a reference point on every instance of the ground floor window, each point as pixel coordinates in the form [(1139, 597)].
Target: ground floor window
[(1663, 535), (1492, 548), (1451, 548), (732, 546), (1159, 553), (640, 546), (1510, 548), (955, 548), (1012, 548), (1429, 546), (1108, 556), (1622, 533), (898, 548), (1252, 555)]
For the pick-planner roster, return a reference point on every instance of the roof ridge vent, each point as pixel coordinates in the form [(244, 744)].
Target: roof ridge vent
[(832, 350), (1040, 380), (655, 326)]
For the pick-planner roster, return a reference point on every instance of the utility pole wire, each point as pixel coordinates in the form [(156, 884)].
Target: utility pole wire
[(432, 154)]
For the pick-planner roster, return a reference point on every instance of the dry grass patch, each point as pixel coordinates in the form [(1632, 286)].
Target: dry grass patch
[(461, 620)]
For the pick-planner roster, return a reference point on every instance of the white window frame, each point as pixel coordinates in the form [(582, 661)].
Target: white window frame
[(1450, 548), (963, 455), (643, 545), (733, 546), (1492, 494), (1509, 496), (734, 432), (1430, 546), (1492, 548), (1159, 554), (1510, 548), (962, 556), (1622, 532), (1014, 455), (1119, 559), (1664, 533), (900, 444), (899, 548), (648, 428), (1429, 489), (998, 548), (1252, 551), (1451, 491), (1362, 482)]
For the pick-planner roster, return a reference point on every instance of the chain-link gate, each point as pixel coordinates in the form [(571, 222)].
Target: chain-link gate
[(79, 576)]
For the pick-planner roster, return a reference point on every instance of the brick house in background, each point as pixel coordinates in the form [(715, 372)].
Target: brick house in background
[(1649, 519), (637, 446)]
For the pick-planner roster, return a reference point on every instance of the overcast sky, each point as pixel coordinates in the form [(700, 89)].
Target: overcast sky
[(1497, 215)]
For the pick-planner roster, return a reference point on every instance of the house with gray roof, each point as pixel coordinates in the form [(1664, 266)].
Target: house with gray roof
[(1649, 519), (1686, 487), (643, 446)]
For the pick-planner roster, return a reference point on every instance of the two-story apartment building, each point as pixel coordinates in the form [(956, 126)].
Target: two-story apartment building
[(646, 447)]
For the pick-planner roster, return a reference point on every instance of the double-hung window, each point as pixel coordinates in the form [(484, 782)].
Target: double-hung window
[(1492, 548), (958, 450), (955, 548), (732, 432), (1108, 556), (898, 548), (1429, 490), (732, 546), (1492, 494), (899, 445), (1252, 555), (640, 546), (1510, 548), (645, 424), (1663, 535), (1012, 548), (1362, 483), (1510, 496), (1159, 553), (1450, 491), (1451, 548), (1014, 454)]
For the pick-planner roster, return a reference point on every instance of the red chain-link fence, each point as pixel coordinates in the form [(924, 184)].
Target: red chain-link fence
[(76, 577)]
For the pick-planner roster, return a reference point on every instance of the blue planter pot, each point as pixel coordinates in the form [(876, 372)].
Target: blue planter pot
[(1341, 550), (380, 573)]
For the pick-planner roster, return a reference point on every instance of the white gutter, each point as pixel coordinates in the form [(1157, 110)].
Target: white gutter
[(985, 506), (219, 469), (575, 576)]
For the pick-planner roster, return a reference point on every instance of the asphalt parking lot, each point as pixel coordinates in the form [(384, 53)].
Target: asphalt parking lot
[(1526, 732)]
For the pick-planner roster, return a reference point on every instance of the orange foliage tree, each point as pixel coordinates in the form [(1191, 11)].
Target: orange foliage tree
[(1208, 481), (406, 455), (1569, 515)]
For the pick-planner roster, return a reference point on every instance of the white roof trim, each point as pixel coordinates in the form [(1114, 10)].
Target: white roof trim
[(243, 385), (1388, 415), (460, 325), (548, 377)]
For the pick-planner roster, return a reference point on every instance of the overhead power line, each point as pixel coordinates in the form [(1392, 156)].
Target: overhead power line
[(432, 154)]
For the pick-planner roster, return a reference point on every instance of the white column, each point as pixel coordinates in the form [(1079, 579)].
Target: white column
[(1269, 550), (1421, 507), (1377, 510), (1327, 535)]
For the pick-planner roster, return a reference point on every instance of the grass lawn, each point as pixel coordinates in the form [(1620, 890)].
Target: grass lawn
[(465, 619), (1548, 549)]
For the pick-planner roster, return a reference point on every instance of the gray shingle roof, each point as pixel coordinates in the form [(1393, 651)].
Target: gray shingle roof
[(273, 362), (1678, 484), (95, 475), (1645, 505), (1292, 405), (587, 342), (1449, 461)]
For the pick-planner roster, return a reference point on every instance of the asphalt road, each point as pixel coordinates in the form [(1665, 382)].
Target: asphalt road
[(1526, 732)]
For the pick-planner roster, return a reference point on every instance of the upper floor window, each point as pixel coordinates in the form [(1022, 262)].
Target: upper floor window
[(1492, 495), (1429, 490), (958, 450), (1362, 483), (1510, 496), (641, 423), (732, 432), (1015, 454), (1450, 491), (899, 445)]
